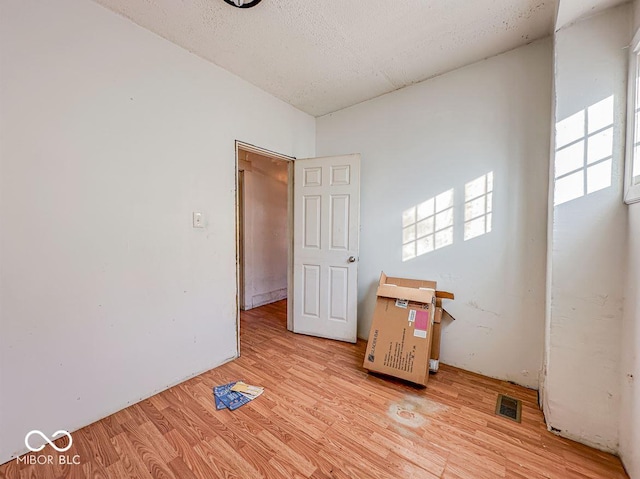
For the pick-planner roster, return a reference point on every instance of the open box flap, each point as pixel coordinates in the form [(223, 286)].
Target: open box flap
[(442, 313), (399, 292), (444, 295), (446, 315), (409, 289)]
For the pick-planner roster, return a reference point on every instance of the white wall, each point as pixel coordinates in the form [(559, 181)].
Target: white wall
[(111, 138), (582, 389), (630, 369), (420, 141), (630, 366), (266, 241)]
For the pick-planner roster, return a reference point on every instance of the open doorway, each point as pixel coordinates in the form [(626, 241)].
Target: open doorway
[(319, 233), (263, 220)]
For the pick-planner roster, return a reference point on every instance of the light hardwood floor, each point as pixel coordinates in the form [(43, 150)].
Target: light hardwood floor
[(323, 416)]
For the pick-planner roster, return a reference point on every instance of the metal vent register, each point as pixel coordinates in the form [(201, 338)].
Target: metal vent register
[(509, 407)]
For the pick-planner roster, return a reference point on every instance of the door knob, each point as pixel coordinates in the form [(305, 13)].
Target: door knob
[(352, 259)]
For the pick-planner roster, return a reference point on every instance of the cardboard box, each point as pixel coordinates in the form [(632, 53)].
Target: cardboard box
[(402, 329), (434, 361)]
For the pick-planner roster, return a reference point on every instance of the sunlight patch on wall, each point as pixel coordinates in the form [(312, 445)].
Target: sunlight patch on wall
[(584, 152), (427, 226), (478, 206)]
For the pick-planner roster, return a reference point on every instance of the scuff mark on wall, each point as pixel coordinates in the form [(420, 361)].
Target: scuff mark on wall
[(475, 305)]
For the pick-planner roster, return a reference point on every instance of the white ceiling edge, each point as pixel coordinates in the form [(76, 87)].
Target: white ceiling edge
[(571, 11), (480, 60)]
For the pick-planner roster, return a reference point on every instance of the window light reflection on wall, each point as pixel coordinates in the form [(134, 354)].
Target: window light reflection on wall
[(427, 226), (478, 206), (584, 152)]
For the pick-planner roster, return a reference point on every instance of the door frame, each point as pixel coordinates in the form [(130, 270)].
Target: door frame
[(241, 145)]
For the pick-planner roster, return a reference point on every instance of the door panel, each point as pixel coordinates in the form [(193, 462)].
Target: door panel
[(312, 221), (325, 251), (338, 292), (339, 222), (311, 292)]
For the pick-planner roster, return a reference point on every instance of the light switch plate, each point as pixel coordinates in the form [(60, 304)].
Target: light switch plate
[(198, 220)]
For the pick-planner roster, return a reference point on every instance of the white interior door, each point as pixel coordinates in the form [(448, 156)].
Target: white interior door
[(326, 230)]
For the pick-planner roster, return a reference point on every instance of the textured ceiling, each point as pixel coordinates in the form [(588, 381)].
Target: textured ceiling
[(324, 55)]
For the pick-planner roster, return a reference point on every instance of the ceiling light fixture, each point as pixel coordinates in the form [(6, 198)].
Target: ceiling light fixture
[(243, 3)]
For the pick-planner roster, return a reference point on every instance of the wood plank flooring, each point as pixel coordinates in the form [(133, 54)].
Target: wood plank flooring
[(322, 416)]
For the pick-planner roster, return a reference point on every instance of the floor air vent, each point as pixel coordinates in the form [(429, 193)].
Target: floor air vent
[(509, 407)]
